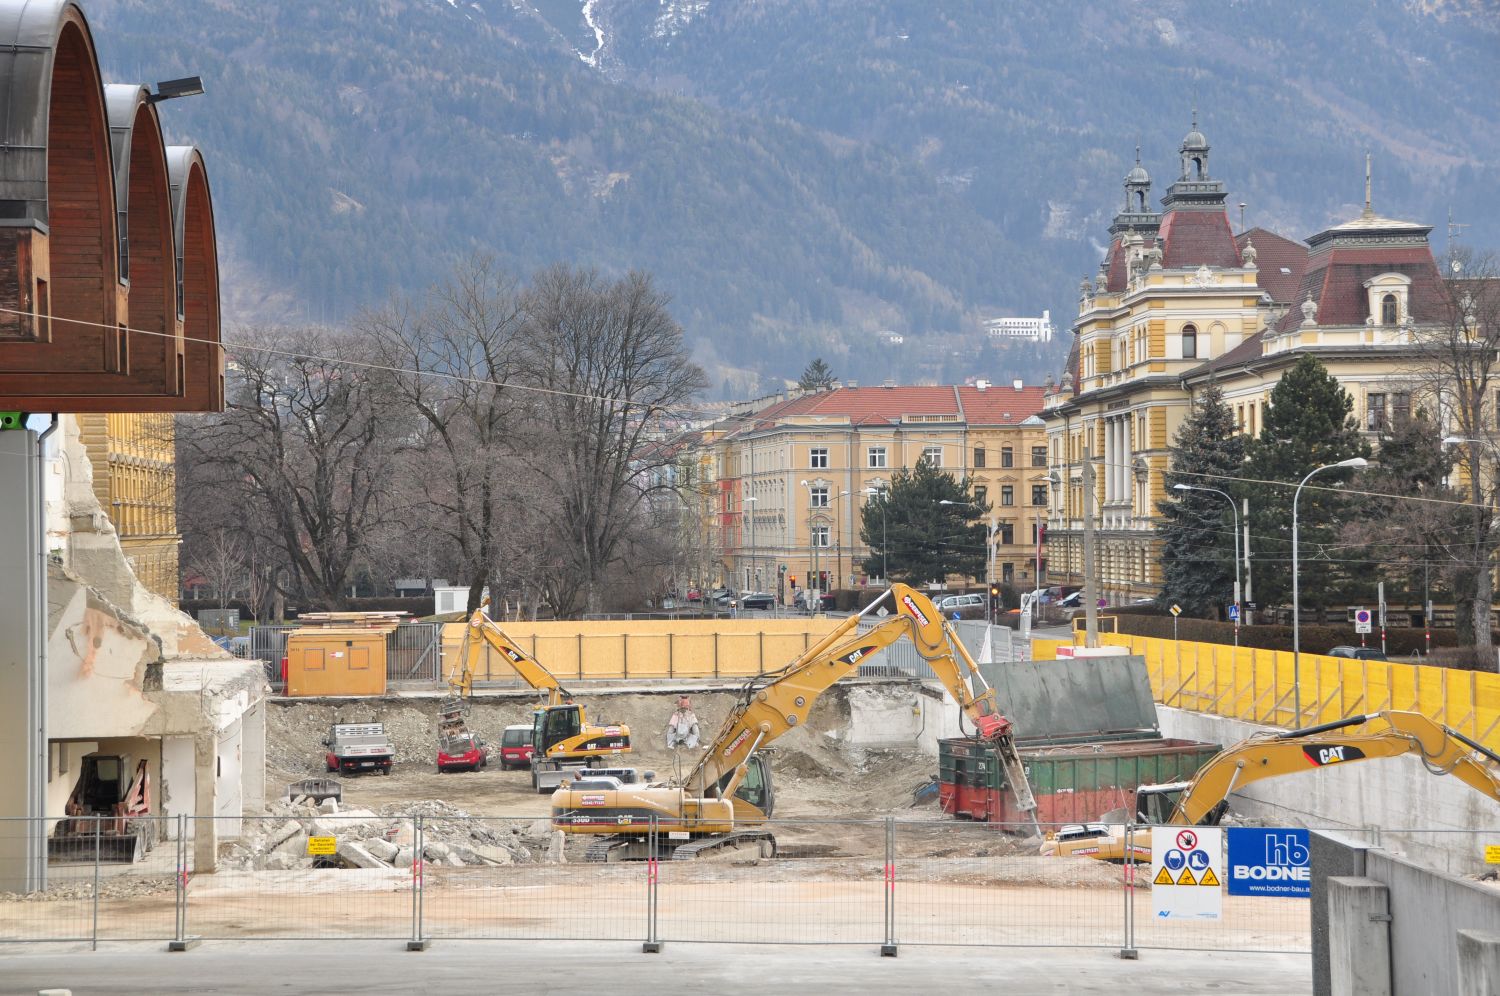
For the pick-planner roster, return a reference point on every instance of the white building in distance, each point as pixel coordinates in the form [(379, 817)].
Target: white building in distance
[(1034, 329)]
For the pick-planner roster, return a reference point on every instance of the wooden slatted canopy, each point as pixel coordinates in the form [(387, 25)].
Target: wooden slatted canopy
[(108, 267)]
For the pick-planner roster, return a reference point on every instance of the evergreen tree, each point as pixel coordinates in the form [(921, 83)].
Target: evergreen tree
[(818, 376), (1309, 424), (915, 537), (1197, 527)]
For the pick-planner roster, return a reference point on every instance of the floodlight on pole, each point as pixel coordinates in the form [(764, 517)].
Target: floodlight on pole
[(1236, 511), (187, 86), (1352, 462)]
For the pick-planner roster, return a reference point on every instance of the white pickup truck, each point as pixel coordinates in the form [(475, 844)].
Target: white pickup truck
[(356, 747)]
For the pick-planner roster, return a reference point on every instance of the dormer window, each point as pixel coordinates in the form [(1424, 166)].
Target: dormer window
[(1389, 312), (1389, 297), (1189, 342)]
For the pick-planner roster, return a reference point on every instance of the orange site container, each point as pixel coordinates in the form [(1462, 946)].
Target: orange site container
[(329, 661)]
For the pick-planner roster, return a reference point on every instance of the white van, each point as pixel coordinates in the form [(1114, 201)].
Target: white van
[(952, 602)]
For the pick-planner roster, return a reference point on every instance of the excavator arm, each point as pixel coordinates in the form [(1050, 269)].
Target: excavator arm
[(1387, 734), (779, 701), (481, 632)]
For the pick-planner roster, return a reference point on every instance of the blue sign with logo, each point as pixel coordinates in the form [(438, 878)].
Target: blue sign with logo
[(1266, 861)]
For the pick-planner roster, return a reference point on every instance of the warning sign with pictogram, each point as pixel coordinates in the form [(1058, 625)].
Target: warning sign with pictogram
[(1185, 877)]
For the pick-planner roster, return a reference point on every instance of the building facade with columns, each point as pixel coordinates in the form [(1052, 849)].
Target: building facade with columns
[(793, 477), (1180, 299)]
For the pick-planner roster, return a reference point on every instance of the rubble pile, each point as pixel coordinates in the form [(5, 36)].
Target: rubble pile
[(385, 839)]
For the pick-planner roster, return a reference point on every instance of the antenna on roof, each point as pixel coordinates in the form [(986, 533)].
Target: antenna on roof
[(1242, 216), (1369, 211)]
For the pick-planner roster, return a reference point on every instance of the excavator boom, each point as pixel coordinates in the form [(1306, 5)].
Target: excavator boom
[(1386, 734), (481, 632)]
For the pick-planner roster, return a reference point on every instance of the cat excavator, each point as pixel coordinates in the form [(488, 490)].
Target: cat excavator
[(726, 800), (562, 739), (1202, 801)]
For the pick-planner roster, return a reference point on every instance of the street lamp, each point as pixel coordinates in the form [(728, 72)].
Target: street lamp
[(754, 563), (885, 550), (1236, 511), (989, 556), (1296, 592), (812, 552)]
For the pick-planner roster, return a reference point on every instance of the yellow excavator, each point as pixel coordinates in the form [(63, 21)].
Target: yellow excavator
[(727, 798), (1202, 801), (562, 739)]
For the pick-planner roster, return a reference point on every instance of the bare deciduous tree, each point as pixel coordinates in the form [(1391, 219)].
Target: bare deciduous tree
[(1460, 367), (304, 446), (606, 361)]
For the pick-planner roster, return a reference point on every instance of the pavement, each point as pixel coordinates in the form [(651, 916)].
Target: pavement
[(303, 968)]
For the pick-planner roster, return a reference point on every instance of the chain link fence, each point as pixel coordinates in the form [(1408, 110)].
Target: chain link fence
[(883, 883)]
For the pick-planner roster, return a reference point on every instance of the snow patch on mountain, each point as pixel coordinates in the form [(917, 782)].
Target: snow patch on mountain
[(676, 15)]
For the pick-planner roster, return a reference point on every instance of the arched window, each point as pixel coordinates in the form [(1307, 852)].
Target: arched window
[(1189, 342), (1388, 310)]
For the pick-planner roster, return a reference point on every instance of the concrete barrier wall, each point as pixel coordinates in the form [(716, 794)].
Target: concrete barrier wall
[(1395, 802), (1427, 911), (1256, 685), (650, 648)]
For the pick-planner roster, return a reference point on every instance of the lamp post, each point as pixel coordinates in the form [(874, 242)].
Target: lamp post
[(754, 563), (812, 551), (885, 551), (1236, 511), (838, 537), (989, 556), (1296, 591)]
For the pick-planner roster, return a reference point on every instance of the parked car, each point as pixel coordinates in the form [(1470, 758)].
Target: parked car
[(694, 595), (516, 747), (1358, 653), (464, 752), (720, 596), (757, 600), (1072, 601)]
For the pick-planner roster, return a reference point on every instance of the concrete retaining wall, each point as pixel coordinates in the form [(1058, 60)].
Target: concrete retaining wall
[(1392, 801)]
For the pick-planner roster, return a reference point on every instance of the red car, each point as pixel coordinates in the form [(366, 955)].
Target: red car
[(461, 753), (515, 747)]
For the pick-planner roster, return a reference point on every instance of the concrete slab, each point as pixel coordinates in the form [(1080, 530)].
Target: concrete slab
[(310, 967)]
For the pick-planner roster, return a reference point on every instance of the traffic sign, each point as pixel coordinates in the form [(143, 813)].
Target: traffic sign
[(1176, 609), (1234, 613), (1186, 873), (1361, 620)]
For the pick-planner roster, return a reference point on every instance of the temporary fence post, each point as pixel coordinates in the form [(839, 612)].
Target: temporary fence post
[(652, 944), (1128, 951), (94, 944), (888, 949), (417, 942), (181, 942)]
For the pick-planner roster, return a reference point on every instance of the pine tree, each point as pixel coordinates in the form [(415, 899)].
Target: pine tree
[(1309, 424), (817, 376), (915, 537), (1197, 527)]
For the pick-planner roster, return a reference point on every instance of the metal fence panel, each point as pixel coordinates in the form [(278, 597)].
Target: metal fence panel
[(413, 652), (825, 886), (961, 883)]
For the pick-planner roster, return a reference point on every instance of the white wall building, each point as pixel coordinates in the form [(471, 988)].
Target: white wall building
[(1032, 329)]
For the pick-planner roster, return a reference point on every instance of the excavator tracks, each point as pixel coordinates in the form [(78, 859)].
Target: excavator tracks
[(621, 848)]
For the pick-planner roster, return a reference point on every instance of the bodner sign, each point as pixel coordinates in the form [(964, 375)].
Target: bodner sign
[(1268, 862)]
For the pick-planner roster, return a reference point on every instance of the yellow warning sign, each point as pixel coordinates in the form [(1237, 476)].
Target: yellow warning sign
[(322, 845), (1492, 854), (1163, 877), (1186, 878), (1209, 878)]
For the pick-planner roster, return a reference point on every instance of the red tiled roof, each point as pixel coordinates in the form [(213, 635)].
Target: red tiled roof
[(886, 405), (1116, 279), (1335, 279), (1000, 404), (1198, 238), (1282, 262)]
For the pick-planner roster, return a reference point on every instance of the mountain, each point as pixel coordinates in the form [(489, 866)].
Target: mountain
[(798, 174)]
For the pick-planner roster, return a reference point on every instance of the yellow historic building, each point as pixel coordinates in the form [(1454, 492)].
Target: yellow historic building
[(133, 461), (793, 476), (1180, 300)]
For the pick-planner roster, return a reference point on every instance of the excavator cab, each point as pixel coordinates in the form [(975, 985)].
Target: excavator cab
[(555, 724), (755, 788)]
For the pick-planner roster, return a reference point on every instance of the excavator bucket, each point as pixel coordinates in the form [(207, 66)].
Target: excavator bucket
[(85, 845)]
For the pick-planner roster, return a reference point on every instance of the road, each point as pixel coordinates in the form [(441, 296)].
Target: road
[(306, 968)]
